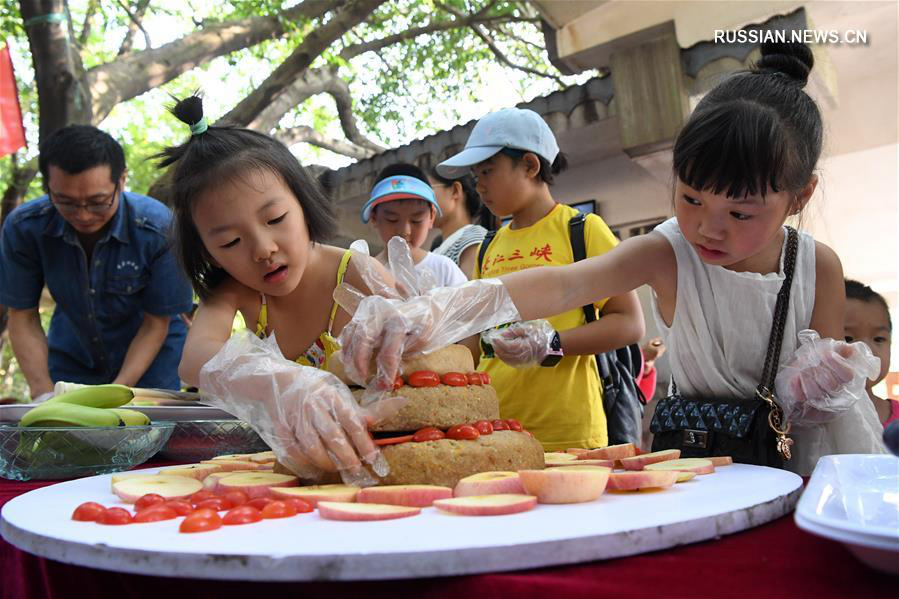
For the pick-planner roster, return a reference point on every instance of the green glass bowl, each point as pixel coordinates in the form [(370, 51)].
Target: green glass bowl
[(54, 453)]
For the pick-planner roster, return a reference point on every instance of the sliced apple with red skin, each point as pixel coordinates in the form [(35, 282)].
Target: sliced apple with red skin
[(255, 484), (720, 460), (126, 475), (565, 485), (487, 505), (579, 462), (263, 457), (211, 482), (682, 475), (558, 456), (314, 494), (697, 465), (576, 450), (612, 452), (643, 479), (169, 487), (489, 483), (639, 462), (405, 495), (228, 465), (197, 471), (359, 512), (240, 457)]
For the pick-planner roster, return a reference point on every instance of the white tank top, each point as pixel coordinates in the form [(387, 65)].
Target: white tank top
[(718, 338)]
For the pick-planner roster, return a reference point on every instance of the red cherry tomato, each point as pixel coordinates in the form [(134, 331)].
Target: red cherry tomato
[(236, 498), (454, 379), (513, 424), (485, 378), (216, 503), (201, 521), (500, 425), (155, 513), (428, 434), (201, 496), (463, 432), (300, 505), (484, 427), (116, 516), (398, 382), (474, 378), (260, 502), (148, 500), (88, 512), (278, 509), (424, 378), (182, 508), (242, 514)]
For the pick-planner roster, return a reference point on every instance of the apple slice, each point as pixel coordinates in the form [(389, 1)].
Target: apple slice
[(697, 465), (576, 450), (565, 485), (197, 471), (240, 457), (263, 457), (580, 462), (316, 493), (639, 462), (720, 460), (643, 479), (255, 484), (358, 512), (489, 483), (558, 456), (170, 487), (682, 475), (405, 495), (228, 465), (612, 452), (487, 505), (126, 475)]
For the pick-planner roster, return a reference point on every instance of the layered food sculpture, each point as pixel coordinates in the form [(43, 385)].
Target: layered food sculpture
[(450, 426)]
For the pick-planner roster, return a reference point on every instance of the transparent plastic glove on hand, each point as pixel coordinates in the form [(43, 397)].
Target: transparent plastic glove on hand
[(523, 343), (824, 379), (307, 416)]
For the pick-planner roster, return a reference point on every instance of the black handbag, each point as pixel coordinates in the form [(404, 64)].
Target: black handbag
[(752, 430)]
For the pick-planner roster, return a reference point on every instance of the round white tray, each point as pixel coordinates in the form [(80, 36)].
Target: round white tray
[(307, 547)]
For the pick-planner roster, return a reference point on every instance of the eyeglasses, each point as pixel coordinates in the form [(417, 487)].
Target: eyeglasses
[(92, 207)]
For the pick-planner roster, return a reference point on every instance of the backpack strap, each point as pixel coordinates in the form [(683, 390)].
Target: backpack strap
[(482, 251), (579, 252)]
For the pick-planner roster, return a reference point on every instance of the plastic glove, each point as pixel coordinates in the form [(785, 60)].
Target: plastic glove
[(521, 344), (824, 378), (386, 328), (307, 416)]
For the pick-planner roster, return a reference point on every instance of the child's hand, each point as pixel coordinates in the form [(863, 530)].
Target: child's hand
[(522, 343), (824, 378)]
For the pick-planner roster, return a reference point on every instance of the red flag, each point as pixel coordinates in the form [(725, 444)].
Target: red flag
[(12, 134)]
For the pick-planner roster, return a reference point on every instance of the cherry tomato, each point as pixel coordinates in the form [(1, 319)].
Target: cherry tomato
[(485, 378), (463, 432), (116, 516), (474, 378), (201, 496), (201, 521), (454, 379), (513, 425), (424, 378), (148, 500), (236, 498), (155, 513), (300, 505), (278, 509), (216, 503), (88, 512), (242, 514), (484, 427), (500, 425), (260, 502), (398, 382), (428, 434), (182, 508)]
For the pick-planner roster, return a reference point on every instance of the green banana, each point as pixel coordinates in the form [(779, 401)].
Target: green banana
[(131, 417), (66, 414), (96, 396)]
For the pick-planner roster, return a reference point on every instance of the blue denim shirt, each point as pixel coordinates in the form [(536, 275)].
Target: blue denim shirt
[(99, 307)]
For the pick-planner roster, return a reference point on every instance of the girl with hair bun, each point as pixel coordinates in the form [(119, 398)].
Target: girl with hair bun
[(744, 162), (250, 227)]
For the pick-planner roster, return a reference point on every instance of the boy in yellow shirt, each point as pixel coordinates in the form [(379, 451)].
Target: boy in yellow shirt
[(514, 157)]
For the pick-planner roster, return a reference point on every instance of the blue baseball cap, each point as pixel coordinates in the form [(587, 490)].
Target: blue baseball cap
[(399, 187), (516, 128)]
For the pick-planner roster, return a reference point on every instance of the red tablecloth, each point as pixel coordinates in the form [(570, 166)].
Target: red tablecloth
[(773, 560)]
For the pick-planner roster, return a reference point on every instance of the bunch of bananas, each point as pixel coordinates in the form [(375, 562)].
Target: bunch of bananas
[(95, 405)]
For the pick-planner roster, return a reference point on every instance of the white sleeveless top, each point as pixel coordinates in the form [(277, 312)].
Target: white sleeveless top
[(718, 338)]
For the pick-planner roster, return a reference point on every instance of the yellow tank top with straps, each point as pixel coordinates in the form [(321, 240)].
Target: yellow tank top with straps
[(318, 354)]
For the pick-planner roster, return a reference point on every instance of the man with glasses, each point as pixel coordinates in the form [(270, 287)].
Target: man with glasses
[(103, 254)]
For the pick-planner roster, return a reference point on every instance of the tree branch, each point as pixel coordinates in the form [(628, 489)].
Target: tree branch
[(302, 134), (136, 23), (86, 24), (135, 73)]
